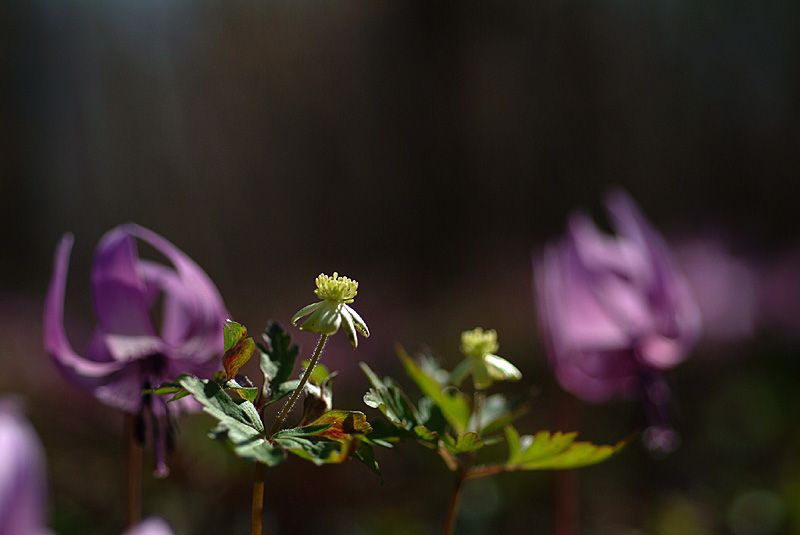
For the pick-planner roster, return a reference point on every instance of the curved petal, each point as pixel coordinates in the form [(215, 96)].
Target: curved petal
[(676, 312), (22, 475), (501, 369), (349, 327), (574, 317), (305, 311), (324, 320), (118, 291), (179, 311), (77, 368), (197, 294), (597, 376), (358, 321)]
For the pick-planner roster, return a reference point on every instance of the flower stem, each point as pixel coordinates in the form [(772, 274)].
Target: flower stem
[(478, 400), (257, 512), (455, 499), (289, 404), (134, 471)]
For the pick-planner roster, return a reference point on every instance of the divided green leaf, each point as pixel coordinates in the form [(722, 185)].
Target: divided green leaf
[(557, 450), (278, 356), (240, 424)]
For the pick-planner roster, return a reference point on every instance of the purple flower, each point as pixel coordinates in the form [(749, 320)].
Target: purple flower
[(22, 476), (150, 526), (128, 352), (779, 293), (613, 309), (725, 287)]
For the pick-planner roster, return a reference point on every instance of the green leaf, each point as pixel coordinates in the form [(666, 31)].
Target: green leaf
[(240, 424), (340, 425), (460, 372), (318, 399), (278, 356), (366, 454), (388, 398), (237, 356), (556, 450), (453, 404), (168, 388), (513, 441), (233, 333), (319, 374), (318, 452), (463, 443), (496, 413), (248, 393), (423, 433), (281, 391)]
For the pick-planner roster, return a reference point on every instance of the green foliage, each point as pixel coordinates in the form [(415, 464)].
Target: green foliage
[(277, 358), (238, 356), (233, 333), (239, 424), (451, 402), (462, 443), (557, 450), (324, 436), (388, 398), (444, 421)]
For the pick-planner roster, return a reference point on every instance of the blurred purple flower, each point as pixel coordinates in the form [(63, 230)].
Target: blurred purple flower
[(127, 353), (779, 293), (150, 526), (22, 476), (614, 311), (725, 287)]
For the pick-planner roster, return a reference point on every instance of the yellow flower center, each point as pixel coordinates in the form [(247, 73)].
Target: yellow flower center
[(336, 288), (478, 342)]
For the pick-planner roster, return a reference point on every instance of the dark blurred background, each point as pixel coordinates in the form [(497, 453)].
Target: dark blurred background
[(425, 149)]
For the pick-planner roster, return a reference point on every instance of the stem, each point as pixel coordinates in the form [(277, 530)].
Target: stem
[(289, 404), (478, 399), (567, 509), (485, 471), (257, 512), (455, 499), (134, 471)]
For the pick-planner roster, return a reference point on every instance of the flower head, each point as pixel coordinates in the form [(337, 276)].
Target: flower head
[(335, 288), (129, 352), (479, 343), (22, 474), (614, 311), (480, 346), (326, 316)]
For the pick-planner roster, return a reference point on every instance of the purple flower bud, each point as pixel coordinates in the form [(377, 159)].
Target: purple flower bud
[(22, 477), (614, 311), (128, 351)]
